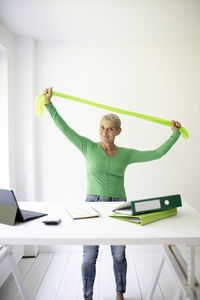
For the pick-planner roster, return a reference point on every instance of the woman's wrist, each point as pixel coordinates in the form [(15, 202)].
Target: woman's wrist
[(47, 103)]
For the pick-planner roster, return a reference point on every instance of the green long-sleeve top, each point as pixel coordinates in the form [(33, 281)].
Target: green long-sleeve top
[(105, 175)]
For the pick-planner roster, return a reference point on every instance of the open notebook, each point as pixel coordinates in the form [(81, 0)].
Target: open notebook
[(82, 212)]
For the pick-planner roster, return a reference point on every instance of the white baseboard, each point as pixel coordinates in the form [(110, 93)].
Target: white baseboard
[(31, 251), (134, 248), (78, 248)]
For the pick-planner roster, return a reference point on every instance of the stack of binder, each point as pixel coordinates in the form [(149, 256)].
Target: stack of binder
[(149, 210)]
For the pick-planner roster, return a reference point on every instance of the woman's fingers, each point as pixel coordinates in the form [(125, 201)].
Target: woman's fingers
[(47, 91), (175, 125)]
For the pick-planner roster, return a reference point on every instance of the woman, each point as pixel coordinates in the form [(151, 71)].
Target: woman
[(106, 164)]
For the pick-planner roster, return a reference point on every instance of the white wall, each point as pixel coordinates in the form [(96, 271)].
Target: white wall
[(159, 78), (25, 120), (7, 40), (8, 99), (4, 158), (20, 96)]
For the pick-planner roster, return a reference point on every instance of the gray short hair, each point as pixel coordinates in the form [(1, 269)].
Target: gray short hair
[(114, 118)]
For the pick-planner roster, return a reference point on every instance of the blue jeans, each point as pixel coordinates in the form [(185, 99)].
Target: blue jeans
[(90, 254)]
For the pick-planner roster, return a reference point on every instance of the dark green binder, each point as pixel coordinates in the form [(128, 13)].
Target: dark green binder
[(149, 205)]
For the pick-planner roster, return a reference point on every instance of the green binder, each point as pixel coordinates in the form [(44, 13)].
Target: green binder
[(149, 205), (146, 218)]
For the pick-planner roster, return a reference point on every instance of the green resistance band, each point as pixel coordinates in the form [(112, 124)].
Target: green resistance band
[(40, 101)]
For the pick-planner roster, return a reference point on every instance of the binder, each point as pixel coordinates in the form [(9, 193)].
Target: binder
[(149, 205), (146, 218)]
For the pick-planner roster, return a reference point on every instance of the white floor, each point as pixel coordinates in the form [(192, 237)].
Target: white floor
[(56, 276)]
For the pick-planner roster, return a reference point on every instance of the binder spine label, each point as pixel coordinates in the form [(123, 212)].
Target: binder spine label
[(147, 205)]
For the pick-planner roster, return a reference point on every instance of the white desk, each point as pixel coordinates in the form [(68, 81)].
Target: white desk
[(181, 229)]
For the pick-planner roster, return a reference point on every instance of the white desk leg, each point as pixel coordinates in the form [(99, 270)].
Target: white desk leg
[(178, 294), (16, 273), (183, 270), (191, 266), (155, 279), (191, 280)]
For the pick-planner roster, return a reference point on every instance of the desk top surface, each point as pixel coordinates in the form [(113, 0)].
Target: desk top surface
[(181, 229)]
